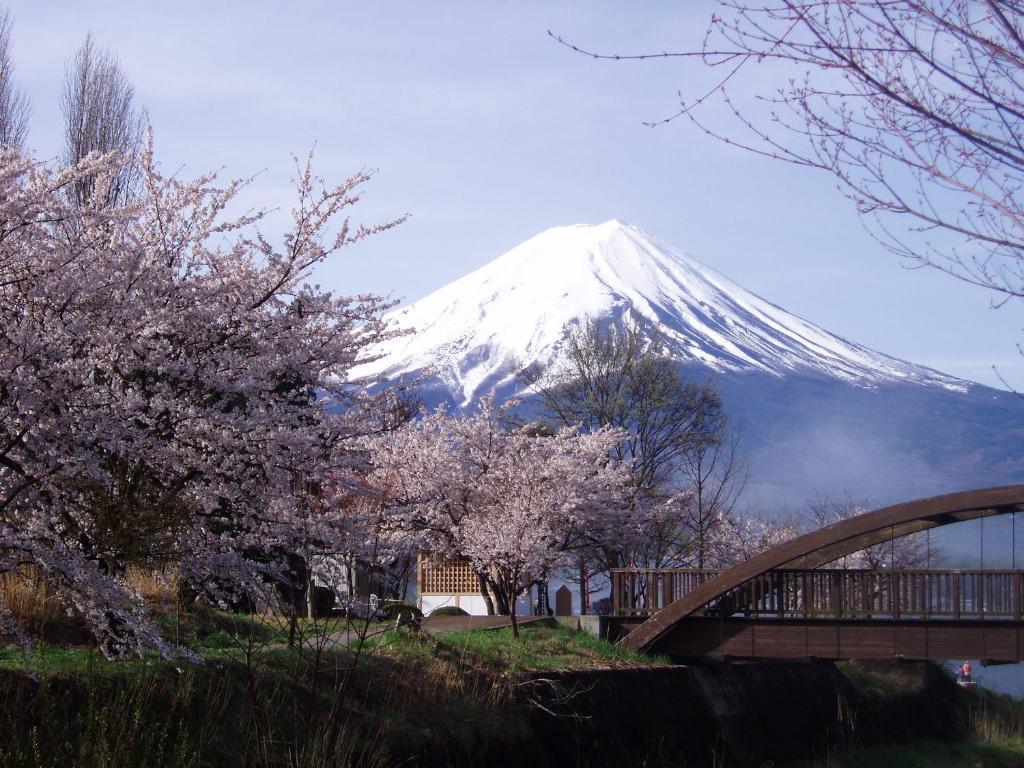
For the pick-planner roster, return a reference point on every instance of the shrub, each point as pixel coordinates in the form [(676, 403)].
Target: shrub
[(602, 607), (448, 610)]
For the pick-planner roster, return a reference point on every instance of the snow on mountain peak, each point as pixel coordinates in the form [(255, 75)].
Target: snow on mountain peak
[(476, 332)]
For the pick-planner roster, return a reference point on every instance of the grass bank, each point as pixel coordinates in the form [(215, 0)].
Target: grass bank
[(372, 695), (924, 754), (986, 732), (331, 701), (542, 649)]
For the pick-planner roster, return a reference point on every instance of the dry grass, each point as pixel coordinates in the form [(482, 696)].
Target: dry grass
[(998, 722), (147, 714), (159, 588), (36, 607)]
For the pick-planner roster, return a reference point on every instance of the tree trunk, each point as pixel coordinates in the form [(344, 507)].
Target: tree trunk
[(309, 594), (584, 590), (502, 603), (512, 616), (486, 595), (406, 568)]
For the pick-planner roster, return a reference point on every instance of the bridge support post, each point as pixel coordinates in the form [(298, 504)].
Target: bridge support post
[(1016, 596), (895, 584), (956, 595)]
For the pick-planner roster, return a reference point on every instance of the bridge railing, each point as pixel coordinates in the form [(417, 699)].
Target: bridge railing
[(644, 591), (831, 593)]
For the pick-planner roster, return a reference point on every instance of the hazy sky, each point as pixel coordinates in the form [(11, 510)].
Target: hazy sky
[(487, 132)]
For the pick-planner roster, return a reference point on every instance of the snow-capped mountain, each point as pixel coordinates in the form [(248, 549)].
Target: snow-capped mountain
[(475, 333), (818, 414)]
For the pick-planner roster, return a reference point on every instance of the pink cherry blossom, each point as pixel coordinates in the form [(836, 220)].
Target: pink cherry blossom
[(174, 390)]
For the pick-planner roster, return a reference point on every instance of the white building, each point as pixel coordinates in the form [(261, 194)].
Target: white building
[(454, 584)]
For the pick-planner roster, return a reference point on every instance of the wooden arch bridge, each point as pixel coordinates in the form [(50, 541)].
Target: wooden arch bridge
[(783, 603)]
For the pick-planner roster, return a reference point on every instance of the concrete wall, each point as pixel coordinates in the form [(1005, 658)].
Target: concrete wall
[(592, 625), (472, 604)]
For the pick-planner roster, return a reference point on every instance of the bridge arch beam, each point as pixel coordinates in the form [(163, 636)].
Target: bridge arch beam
[(830, 543)]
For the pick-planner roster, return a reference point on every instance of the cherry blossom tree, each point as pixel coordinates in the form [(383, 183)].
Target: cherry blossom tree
[(915, 107), (621, 377), (546, 497), (175, 391), (513, 502), (743, 535)]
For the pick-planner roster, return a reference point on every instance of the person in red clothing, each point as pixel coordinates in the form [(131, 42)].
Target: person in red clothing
[(965, 671)]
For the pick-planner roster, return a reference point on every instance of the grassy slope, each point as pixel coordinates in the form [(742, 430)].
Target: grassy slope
[(994, 727), (926, 754), (541, 649), (409, 695)]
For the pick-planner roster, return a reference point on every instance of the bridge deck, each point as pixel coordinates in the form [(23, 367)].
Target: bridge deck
[(935, 639), (787, 583), (835, 614)]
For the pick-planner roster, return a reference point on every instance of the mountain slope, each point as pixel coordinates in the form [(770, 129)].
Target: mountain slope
[(518, 309), (818, 414)]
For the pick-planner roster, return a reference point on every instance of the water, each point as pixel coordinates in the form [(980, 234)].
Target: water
[(1001, 678)]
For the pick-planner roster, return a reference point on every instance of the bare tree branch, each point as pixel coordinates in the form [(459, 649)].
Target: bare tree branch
[(618, 377), (916, 107), (14, 104), (100, 116)]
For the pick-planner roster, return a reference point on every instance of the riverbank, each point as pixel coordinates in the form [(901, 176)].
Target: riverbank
[(553, 697)]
